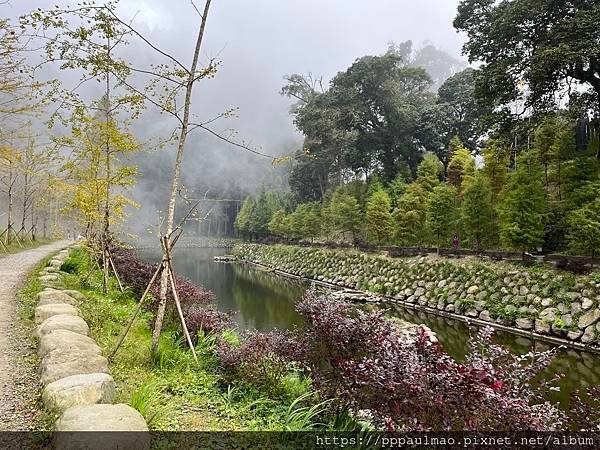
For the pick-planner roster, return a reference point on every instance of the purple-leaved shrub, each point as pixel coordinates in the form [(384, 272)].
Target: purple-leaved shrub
[(206, 319), (362, 360), (262, 358)]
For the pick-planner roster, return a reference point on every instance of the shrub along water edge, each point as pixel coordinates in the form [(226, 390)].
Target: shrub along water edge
[(358, 364)]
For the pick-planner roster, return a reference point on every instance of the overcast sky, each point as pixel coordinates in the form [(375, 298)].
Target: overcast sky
[(259, 41)]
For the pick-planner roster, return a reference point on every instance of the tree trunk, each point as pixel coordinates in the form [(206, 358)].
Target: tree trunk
[(559, 180), (106, 229), (25, 198), (176, 172), (10, 203)]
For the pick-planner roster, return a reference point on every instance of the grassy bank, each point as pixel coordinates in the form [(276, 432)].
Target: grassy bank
[(369, 376), (170, 389), (15, 247)]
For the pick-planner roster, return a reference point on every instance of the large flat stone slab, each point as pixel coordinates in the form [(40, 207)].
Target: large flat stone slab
[(117, 417), (75, 294), (50, 279), (68, 341), (61, 364), (76, 390), (46, 311), (53, 297), (63, 322), (55, 262)]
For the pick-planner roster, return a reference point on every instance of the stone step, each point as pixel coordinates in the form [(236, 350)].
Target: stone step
[(83, 389)]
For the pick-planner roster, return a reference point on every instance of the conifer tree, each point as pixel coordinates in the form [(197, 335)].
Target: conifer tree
[(429, 172), (522, 208), (242, 221), (584, 230), (461, 165), (477, 211), (495, 157), (441, 212), (344, 214), (411, 215), (379, 218), (279, 224)]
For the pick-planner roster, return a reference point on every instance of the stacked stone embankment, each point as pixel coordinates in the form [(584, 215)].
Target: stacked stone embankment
[(535, 299), (75, 375)]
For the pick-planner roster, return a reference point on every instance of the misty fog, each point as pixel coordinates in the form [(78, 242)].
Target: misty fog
[(258, 42)]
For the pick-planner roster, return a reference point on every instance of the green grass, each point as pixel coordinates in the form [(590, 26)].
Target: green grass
[(26, 244), (169, 388)]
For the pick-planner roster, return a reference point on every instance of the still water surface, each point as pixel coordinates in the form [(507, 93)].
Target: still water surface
[(264, 301)]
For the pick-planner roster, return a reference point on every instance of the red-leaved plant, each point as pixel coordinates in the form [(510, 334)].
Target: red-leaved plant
[(362, 360), (205, 319), (262, 358)]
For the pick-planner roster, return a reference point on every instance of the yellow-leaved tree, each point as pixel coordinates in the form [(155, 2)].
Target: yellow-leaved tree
[(96, 176)]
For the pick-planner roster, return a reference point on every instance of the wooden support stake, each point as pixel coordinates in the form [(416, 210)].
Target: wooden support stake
[(16, 236), (158, 271), (136, 312), (112, 264), (177, 303)]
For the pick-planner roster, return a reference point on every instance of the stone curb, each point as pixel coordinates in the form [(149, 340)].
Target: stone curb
[(73, 371)]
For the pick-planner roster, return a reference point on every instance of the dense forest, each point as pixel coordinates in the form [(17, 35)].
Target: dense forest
[(502, 156)]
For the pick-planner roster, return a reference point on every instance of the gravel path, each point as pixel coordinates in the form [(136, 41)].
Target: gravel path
[(18, 381)]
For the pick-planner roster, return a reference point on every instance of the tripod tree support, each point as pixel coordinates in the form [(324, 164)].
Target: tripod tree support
[(165, 265)]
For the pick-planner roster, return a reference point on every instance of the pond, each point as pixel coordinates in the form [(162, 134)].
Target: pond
[(262, 300)]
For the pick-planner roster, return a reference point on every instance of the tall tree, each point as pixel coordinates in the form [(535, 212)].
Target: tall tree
[(168, 86), (442, 212), (458, 94), (461, 165), (495, 167), (9, 161), (321, 163), (344, 215), (243, 223), (522, 208), (305, 221), (280, 224), (379, 218), (437, 63), (545, 46), (410, 216), (19, 93), (584, 229), (91, 188), (478, 211), (429, 172), (381, 100)]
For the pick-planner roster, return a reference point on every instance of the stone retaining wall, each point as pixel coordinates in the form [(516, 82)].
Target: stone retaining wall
[(75, 375), (536, 299)]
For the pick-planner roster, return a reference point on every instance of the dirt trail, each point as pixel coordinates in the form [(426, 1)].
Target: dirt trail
[(17, 385)]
